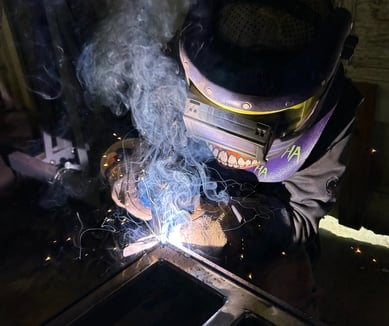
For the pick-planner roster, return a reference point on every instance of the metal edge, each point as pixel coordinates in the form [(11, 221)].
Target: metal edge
[(241, 296)]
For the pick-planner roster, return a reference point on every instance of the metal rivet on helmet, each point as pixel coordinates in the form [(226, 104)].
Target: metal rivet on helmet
[(246, 106)]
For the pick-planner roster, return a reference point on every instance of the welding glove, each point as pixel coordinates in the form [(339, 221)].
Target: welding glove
[(263, 227), (262, 224)]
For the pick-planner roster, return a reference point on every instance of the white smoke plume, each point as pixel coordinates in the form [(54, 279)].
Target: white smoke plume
[(125, 68)]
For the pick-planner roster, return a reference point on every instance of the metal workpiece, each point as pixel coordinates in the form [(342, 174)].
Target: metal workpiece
[(168, 285)]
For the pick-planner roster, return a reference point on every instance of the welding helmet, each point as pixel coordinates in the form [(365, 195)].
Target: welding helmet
[(257, 73)]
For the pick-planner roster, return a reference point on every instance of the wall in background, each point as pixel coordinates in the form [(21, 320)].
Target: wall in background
[(11, 72), (370, 64)]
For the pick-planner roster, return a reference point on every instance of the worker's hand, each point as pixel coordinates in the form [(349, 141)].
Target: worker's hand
[(262, 225), (124, 195)]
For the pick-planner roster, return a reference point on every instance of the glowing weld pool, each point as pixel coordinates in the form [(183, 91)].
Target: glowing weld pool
[(171, 286)]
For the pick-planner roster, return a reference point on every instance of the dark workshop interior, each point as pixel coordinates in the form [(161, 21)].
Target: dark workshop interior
[(58, 244)]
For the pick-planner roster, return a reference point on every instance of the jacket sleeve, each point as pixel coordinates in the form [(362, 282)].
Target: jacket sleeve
[(312, 191)]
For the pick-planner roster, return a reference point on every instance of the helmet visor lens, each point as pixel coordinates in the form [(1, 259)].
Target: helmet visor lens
[(284, 122)]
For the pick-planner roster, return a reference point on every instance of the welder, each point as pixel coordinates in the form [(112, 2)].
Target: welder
[(270, 98)]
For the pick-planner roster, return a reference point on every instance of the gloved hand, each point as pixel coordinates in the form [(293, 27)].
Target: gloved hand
[(262, 227)]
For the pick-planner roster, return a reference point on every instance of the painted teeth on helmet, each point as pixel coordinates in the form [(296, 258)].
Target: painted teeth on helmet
[(222, 156), (232, 161), (242, 162), (213, 150)]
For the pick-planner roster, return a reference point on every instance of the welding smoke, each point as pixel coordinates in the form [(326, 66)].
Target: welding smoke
[(126, 68)]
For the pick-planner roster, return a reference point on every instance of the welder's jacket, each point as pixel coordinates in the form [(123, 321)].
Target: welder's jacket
[(296, 204)]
